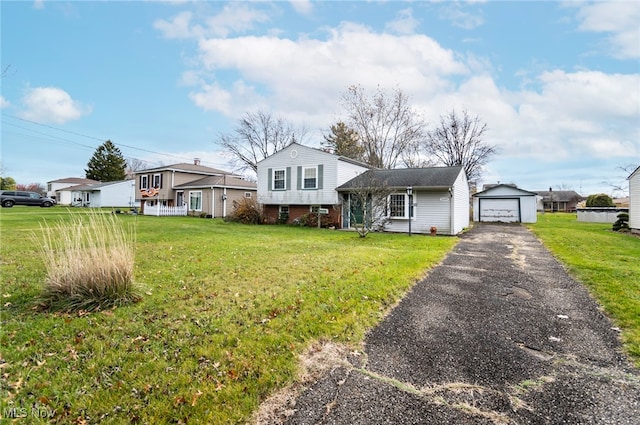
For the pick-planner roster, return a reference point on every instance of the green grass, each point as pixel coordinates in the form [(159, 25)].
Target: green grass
[(225, 312), (608, 263)]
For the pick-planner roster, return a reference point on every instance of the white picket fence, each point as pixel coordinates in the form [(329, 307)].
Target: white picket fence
[(160, 210)]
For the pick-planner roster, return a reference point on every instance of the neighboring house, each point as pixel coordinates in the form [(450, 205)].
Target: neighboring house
[(439, 198), (110, 194), (558, 200), (215, 195), (634, 201), (298, 180), (56, 189), (191, 187), (505, 203)]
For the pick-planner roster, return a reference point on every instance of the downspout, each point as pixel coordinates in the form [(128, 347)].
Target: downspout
[(224, 202), (452, 205), (213, 202)]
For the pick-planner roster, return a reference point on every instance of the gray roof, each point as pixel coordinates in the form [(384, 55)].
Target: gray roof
[(74, 180), (560, 195), (186, 167), (418, 178), (96, 186), (218, 181)]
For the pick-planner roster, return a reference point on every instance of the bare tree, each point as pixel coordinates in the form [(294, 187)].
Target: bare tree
[(620, 187), (368, 203), (386, 123), (458, 141), (257, 136), (133, 165)]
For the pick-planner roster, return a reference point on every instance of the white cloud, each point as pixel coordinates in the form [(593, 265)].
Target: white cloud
[(404, 23), (620, 19), (235, 17), (4, 103), (461, 18), (303, 7), (51, 105), (558, 115), (309, 75)]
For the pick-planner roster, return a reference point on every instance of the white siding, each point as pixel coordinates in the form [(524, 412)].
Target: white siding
[(334, 173), (634, 200), (460, 207), (431, 209), (528, 209)]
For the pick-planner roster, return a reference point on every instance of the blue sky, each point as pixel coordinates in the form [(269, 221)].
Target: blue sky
[(558, 83)]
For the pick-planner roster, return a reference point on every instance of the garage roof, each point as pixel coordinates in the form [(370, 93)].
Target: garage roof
[(504, 190)]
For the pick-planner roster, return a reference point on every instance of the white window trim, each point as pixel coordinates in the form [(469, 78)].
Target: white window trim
[(194, 192), (144, 182), (405, 213), (304, 170), (284, 180), (159, 178), (248, 195)]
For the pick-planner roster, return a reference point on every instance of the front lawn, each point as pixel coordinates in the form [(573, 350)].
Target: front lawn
[(226, 311), (608, 263)]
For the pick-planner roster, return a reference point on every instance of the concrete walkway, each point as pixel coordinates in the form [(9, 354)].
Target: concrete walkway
[(498, 333)]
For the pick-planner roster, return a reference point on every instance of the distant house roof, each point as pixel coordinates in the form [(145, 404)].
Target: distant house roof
[(84, 187), (560, 195), (186, 167), (418, 178), (74, 180), (218, 181)]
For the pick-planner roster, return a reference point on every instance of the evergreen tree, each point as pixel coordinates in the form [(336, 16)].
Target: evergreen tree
[(107, 164), (344, 141)]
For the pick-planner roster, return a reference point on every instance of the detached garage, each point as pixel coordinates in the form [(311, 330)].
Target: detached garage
[(505, 203)]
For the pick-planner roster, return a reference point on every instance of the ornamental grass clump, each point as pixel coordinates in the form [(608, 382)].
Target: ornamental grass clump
[(89, 261)]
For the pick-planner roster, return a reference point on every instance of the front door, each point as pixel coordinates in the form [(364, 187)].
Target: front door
[(179, 198), (356, 212)]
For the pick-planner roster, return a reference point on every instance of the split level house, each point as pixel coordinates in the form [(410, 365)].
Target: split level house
[(185, 188), (299, 180)]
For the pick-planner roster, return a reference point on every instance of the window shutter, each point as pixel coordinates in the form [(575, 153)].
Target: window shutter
[(288, 177), (320, 175), (270, 179), (299, 177), (160, 181)]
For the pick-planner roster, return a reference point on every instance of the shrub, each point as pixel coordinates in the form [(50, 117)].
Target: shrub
[(89, 262), (622, 223), (311, 220), (247, 211), (599, 200)]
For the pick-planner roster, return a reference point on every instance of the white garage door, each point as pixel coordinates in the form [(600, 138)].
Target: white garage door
[(505, 210)]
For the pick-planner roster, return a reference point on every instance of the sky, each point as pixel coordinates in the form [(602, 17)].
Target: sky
[(557, 83)]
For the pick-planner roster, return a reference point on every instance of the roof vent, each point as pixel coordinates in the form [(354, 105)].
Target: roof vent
[(196, 161)]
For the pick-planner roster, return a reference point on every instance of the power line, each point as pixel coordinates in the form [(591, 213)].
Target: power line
[(96, 138)]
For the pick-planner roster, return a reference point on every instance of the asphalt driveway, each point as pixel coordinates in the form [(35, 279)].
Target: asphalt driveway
[(498, 333)]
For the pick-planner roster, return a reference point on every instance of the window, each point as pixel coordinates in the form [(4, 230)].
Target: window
[(247, 194), (144, 182), (284, 209), (157, 181), (279, 179), (398, 205), (310, 178), (314, 209), (195, 201)]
